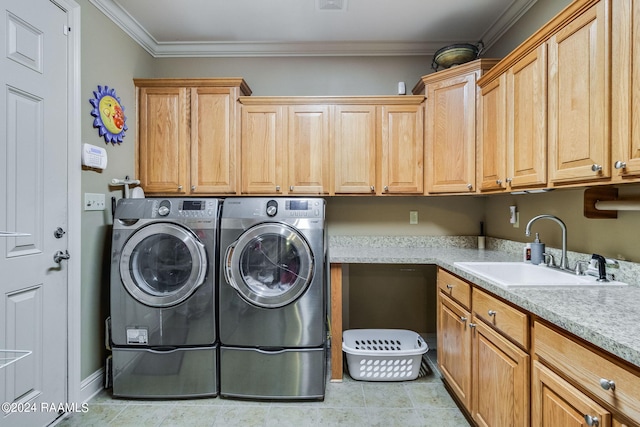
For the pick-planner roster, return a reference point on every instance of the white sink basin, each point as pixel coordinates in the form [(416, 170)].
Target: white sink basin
[(519, 274)]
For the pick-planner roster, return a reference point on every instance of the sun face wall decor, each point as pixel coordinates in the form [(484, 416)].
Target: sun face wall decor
[(109, 114)]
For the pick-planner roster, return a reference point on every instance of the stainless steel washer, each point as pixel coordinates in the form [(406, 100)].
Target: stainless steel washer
[(272, 301), (163, 320)]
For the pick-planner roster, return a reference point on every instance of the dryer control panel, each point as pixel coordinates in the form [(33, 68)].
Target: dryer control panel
[(303, 208)]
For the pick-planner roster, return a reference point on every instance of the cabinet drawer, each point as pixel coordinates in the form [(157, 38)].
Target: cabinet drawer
[(455, 287), (509, 320), (586, 368)]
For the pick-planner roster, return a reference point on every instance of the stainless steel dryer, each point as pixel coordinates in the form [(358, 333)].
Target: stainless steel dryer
[(272, 300), (163, 321)]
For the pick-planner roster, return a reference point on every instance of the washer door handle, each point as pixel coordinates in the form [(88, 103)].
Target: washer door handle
[(227, 264)]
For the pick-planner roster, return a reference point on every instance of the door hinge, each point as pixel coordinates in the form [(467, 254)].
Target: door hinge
[(66, 29)]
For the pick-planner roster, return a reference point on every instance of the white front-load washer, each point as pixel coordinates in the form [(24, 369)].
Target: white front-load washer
[(272, 302), (163, 320)]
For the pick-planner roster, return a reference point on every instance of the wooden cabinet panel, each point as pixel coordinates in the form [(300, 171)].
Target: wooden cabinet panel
[(450, 139), (163, 140), (308, 149), (492, 136), (555, 402), (454, 347), (454, 287), (402, 149), (263, 128), (214, 147), (510, 321), (625, 126), (579, 63), (354, 149), (527, 121), (500, 380), (586, 368)]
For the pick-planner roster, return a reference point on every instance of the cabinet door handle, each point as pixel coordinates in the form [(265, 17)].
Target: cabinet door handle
[(449, 286), (596, 168), (470, 186), (492, 312), (179, 187), (291, 188), (373, 188), (463, 319), (472, 325), (499, 181), (620, 165), (607, 384), (277, 188), (386, 188), (592, 421), (193, 188)]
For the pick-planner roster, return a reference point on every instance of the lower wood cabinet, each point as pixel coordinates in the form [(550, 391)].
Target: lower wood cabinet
[(482, 364)]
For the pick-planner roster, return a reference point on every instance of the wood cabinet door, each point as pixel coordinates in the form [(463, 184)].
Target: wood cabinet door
[(401, 131), (492, 138), (527, 121), (308, 149), (450, 140), (454, 347), (354, 149), (625, 128), (500, 378), (214, 145), (555, 402), (579, 63), (263, 155), (163, 132)]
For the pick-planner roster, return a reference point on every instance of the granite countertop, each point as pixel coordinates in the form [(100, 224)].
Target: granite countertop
[(607, 317)]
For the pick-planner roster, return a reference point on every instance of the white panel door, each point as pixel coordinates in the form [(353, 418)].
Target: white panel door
[(33, 200)]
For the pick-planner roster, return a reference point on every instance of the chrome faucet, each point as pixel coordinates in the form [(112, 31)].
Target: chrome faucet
[(563, 258)]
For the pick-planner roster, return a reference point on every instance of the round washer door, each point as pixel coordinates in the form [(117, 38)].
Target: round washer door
[(270, 265), (162, 264)]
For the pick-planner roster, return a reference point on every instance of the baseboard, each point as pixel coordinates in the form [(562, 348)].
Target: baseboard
[(92, 385)]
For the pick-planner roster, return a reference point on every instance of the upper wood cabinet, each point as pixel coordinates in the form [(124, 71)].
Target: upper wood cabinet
[(332, 145), (625, 105), (354, 149), (579, 96), (285, 148), (402, 149), (188, 135), (512, 140), (450, 126)]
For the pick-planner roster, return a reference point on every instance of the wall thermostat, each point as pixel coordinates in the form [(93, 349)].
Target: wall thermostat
[(94, 157)]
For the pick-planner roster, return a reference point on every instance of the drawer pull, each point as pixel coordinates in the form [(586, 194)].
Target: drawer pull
[(492, 312), (607, 384), (592, 421)]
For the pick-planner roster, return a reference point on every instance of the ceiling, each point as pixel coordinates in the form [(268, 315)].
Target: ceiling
[(247, 28)]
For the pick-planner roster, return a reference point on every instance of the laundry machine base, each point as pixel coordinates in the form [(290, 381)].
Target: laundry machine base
[(175, 373), (289, 374)]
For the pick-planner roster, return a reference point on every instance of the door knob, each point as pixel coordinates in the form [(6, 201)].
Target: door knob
[(59, 256)]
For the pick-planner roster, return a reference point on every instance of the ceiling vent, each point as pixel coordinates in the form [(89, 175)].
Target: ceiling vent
[(331, 5)]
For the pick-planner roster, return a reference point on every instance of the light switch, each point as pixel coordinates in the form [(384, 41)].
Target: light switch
[(413, 217), (94, 202)]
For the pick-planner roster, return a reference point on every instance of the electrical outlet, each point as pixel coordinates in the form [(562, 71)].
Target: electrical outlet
[(413, 217), (94, 202), (516, 224)]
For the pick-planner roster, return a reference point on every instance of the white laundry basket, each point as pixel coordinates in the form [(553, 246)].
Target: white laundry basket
[(383, 354)]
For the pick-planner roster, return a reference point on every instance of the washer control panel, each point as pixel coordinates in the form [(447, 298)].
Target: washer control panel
[(186, 208), (303, 208)]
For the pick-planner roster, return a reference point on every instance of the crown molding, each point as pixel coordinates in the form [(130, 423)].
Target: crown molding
[(279, 49)]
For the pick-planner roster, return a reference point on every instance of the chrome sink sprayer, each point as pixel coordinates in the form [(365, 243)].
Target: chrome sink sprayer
[(563, 258)]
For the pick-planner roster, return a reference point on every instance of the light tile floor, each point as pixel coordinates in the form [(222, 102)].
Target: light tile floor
[(422, 402)]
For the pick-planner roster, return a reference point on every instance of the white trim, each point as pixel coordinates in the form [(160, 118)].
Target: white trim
[(74, 188), (91, 386), (275, 49)]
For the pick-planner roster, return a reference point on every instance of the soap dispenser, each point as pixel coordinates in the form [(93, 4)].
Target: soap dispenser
[(537, 250)]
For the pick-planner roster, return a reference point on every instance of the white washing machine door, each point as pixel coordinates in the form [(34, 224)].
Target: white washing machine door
[(162, 264), (270, 265)]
